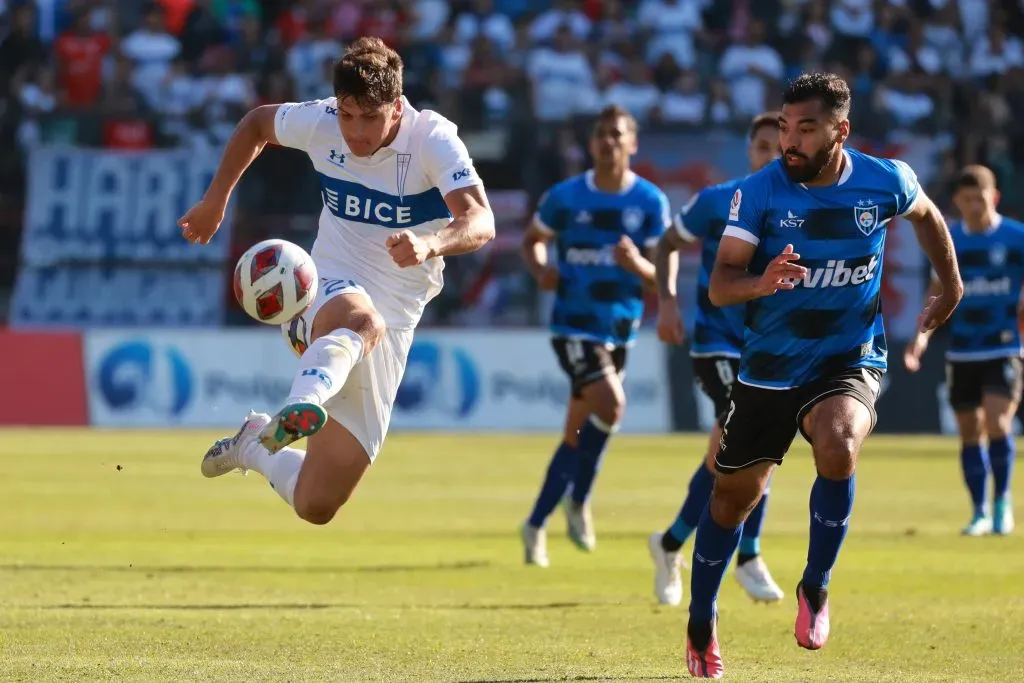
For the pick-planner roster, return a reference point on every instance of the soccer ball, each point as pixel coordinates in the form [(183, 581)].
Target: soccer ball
[(275, 281)]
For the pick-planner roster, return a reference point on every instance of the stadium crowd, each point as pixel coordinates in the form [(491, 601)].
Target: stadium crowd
[(128, 74)]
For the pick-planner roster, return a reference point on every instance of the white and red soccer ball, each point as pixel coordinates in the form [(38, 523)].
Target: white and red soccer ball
[(275, 281)]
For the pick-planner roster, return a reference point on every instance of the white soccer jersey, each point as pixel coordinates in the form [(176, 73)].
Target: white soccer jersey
[(366, 199)]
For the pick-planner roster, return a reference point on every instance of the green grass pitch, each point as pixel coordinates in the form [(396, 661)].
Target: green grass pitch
[(118, 561)]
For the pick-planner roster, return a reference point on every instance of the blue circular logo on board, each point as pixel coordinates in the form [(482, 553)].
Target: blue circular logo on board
[(439, 378), (137, 374)]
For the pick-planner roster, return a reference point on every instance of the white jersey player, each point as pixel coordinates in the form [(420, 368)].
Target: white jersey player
[(399, 192)]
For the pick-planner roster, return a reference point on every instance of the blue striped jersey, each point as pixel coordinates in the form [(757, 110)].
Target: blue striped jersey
[(597, 299), (716, 331), (832, 319), (984, 325)]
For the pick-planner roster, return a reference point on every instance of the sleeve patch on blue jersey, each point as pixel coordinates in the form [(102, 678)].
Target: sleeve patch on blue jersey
[(734, 206)]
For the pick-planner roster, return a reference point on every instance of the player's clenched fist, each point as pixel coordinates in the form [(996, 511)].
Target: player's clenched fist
[(781, 273), (407, 249), (626, 254), (200, 223)]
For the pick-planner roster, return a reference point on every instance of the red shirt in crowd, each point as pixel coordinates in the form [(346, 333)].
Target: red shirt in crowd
[(80, 66)]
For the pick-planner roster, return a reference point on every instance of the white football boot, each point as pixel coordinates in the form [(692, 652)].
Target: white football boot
[(226, 454), (755, 578), (980, 525), (668, 580), (535, 545), (580, 524)]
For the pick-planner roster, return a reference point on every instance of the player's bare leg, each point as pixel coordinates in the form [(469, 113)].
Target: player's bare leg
[(335, 463), (974, 463), (346, 328), (999, 411), (837, 427)]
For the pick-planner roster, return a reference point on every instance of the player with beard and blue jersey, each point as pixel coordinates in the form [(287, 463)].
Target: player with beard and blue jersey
[(983, 369), (803, 250), (715, 351), (599, 221)]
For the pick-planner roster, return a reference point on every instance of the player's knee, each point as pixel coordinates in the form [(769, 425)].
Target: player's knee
[(611, 413), (835, 454), (998, 425), (317, 511), (732, 499), (370, 325), (608, 403)]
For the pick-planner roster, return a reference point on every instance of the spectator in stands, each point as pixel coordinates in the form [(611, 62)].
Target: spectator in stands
[(483, 19), (636, 93), (671, 25), (22, 45), (200, 30), (685, 103), (306, 57), (562, 78), (563, 13), (752, 68), (151, 49), (996, 53), (80, 54)]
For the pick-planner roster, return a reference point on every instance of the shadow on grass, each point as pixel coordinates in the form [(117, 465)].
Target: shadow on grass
[(314, 606), (261, 569)]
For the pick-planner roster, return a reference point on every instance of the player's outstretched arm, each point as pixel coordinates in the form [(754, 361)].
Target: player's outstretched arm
[(253, 132), (933, 235), (472, 228), (731, 283)]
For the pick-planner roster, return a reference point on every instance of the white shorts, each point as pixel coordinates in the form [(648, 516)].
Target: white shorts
[(363, 406)]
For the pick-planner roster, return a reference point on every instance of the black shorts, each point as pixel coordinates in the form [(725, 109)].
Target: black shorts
[(588, 361), (761, 424), (715, 376), (969, 381)]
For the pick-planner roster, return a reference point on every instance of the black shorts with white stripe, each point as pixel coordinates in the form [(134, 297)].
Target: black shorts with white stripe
[(761, 424), (587, 361)]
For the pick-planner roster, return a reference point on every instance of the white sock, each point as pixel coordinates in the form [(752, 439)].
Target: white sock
[(325, 366), (281, 469)]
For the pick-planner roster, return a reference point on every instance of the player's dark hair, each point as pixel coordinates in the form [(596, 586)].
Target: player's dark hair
[(976, 176), (613, 112), (369, 72), (769, 119), (829, 89)]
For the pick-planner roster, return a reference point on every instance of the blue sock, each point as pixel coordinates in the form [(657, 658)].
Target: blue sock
[(974, 462), (696, 502), (831, 506), (750, 541), (713, 548), (593, 439), (563, 465), (1001, 455)]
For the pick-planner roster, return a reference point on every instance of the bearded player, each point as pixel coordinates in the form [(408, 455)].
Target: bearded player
[(814, 347), (399, 193)]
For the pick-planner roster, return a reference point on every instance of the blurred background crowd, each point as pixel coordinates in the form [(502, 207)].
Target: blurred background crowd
[(520, 77)]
